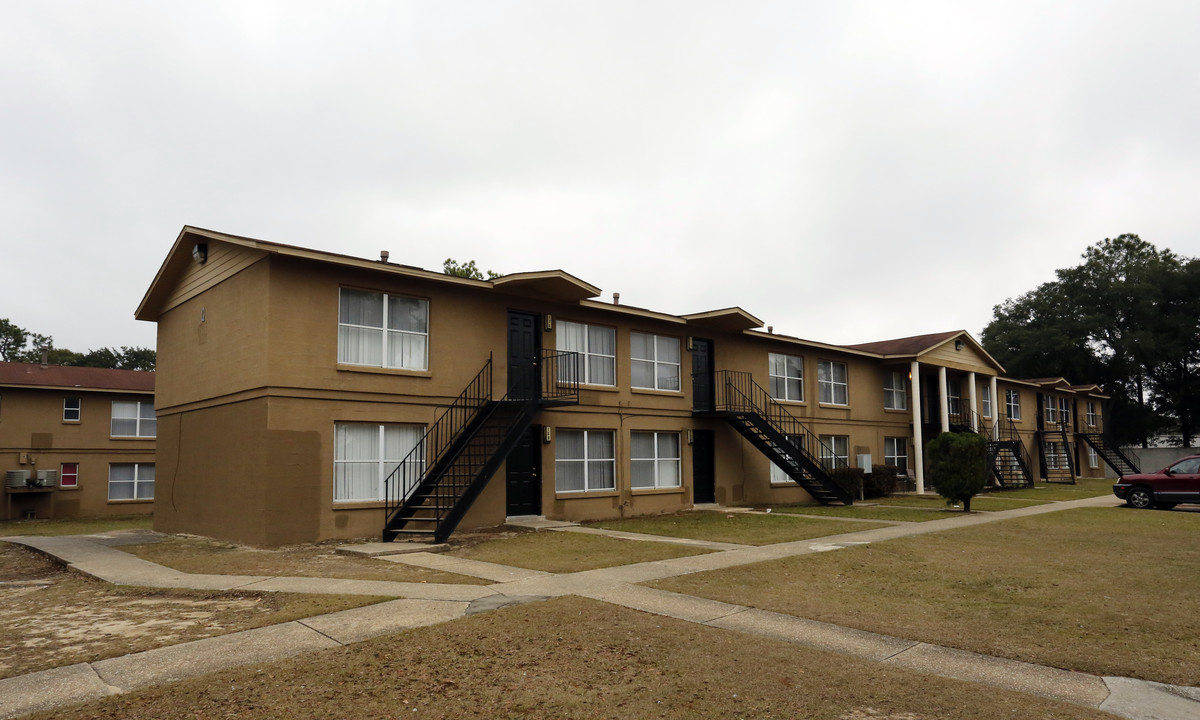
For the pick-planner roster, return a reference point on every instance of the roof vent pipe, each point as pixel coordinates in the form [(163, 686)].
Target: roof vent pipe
[(384, 255), (616, 298), (770, 329)]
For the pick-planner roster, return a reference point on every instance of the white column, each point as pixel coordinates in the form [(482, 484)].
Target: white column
[(918, 459), (995, 410), (974, 402), (943, 391)]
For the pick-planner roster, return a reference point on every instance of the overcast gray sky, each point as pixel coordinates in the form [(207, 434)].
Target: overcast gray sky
[(846, 171)]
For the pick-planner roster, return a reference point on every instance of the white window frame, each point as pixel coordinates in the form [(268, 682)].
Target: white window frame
[(1012, 404), (143, 426), (1064, 410), (1093, 457), (954, 399), (139, 482), (72, 406), (383, 336), (785, 375), (829, 384), (383, 465), (1050, 409), (63, 475), (831, 452), (664, 470), (591, 360), (1091, 417), (895, 449), (895, 390), (1056, 456), (588, 462), (985, 401), (664, 373), (778, 476)]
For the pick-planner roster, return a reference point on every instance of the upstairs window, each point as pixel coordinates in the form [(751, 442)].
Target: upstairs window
[(895, 390), (1012, 404), (654, 361), (1051, 409), (133, 418), (986, 401), (832, 382), (384, 331), (1091, 413), (786, 373), (71, 409), (597, 348), (1064, 411)]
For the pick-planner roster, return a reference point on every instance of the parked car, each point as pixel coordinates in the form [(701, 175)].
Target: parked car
[(1177, 483)]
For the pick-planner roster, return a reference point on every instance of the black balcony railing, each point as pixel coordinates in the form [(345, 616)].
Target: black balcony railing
[(560, 373)]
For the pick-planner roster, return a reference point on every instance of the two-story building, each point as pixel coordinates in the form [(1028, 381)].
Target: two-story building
[(76, 441), (306, 395)]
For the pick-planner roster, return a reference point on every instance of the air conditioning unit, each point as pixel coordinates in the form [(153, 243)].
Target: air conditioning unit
[(16, 478), (47, 478)]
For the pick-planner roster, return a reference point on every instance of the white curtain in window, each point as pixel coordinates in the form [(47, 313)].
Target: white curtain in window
[(360, 328), (124, 418), (601, 472), (602, 348), (570, 337), (121, 480), (641, 463), (569, 459), (356, 462), (399, 441), (145, 481), (668, 460), (668, 363)]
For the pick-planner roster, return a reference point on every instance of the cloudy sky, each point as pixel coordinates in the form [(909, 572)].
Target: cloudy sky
[(846, 171)]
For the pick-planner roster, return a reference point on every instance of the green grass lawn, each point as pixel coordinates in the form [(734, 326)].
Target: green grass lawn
[(76, 526), (869, 512), (740, 528), (562, 552), (1109, 591)]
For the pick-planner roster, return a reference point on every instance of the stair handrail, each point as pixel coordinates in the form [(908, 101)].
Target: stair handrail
[(432, 446), (560, 370), (752, 397)]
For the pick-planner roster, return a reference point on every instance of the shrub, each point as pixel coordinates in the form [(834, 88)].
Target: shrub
[(881, 482), (849, 479), (958, 466)]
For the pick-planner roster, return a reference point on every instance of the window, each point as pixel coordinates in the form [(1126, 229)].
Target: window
[(1093, 457), (786, 374), (1056, 457), (131, 481), (1064, 411), (366, 454), (654, 361), (985, 401), (1050, 406), (953, 399), (895, 452), (71, 409), (68, 475), (380, 330), (895, 391), (133, 418), (1091, 413), (1012, 404), (835, 451), (584, 460), (831, 380), (654, 459), (778, 475), (597, 348)]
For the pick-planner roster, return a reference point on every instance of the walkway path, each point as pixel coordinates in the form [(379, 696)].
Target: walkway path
[(430, 603)]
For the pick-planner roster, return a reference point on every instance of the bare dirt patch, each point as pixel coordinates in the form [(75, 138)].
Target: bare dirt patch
[(50, 617)]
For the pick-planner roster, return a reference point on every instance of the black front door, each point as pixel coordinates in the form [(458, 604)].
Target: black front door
[(524, 342), (702, 375), (704, 476), (524, 482)]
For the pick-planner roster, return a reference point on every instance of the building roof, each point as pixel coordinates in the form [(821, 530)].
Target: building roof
[(82, 378), (914, 345)]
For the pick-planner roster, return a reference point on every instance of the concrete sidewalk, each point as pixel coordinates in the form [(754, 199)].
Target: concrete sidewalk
[(430, 603)]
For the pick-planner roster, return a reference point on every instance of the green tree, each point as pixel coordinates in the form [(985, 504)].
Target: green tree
[(958, 466), (12, 340), (467, 270), (1127, 317)]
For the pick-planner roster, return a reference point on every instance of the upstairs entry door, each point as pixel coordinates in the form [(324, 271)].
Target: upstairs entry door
[(524, 343), (702, 375)]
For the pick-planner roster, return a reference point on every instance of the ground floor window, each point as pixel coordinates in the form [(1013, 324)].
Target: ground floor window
[(68, 475), (585, 461), (654, 460), (1093, 458), (1056, 456), (835, 451), (895, 452), (366, 454), (131, 481), (778, 476)]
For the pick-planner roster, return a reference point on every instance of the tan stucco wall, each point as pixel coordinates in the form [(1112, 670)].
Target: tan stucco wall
[(32, 428)]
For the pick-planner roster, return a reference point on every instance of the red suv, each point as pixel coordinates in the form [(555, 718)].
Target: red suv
[(1177, 483)]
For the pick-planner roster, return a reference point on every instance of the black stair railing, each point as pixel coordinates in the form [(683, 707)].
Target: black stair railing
[(560, 372), (1106, 446), (736, 392), (1060, 468), (432, 448)]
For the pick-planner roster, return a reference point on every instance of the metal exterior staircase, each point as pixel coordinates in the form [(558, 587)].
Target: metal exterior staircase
[(1007, 457), (431, 490), (777, 434), (1056, 472), (1107, 449)]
